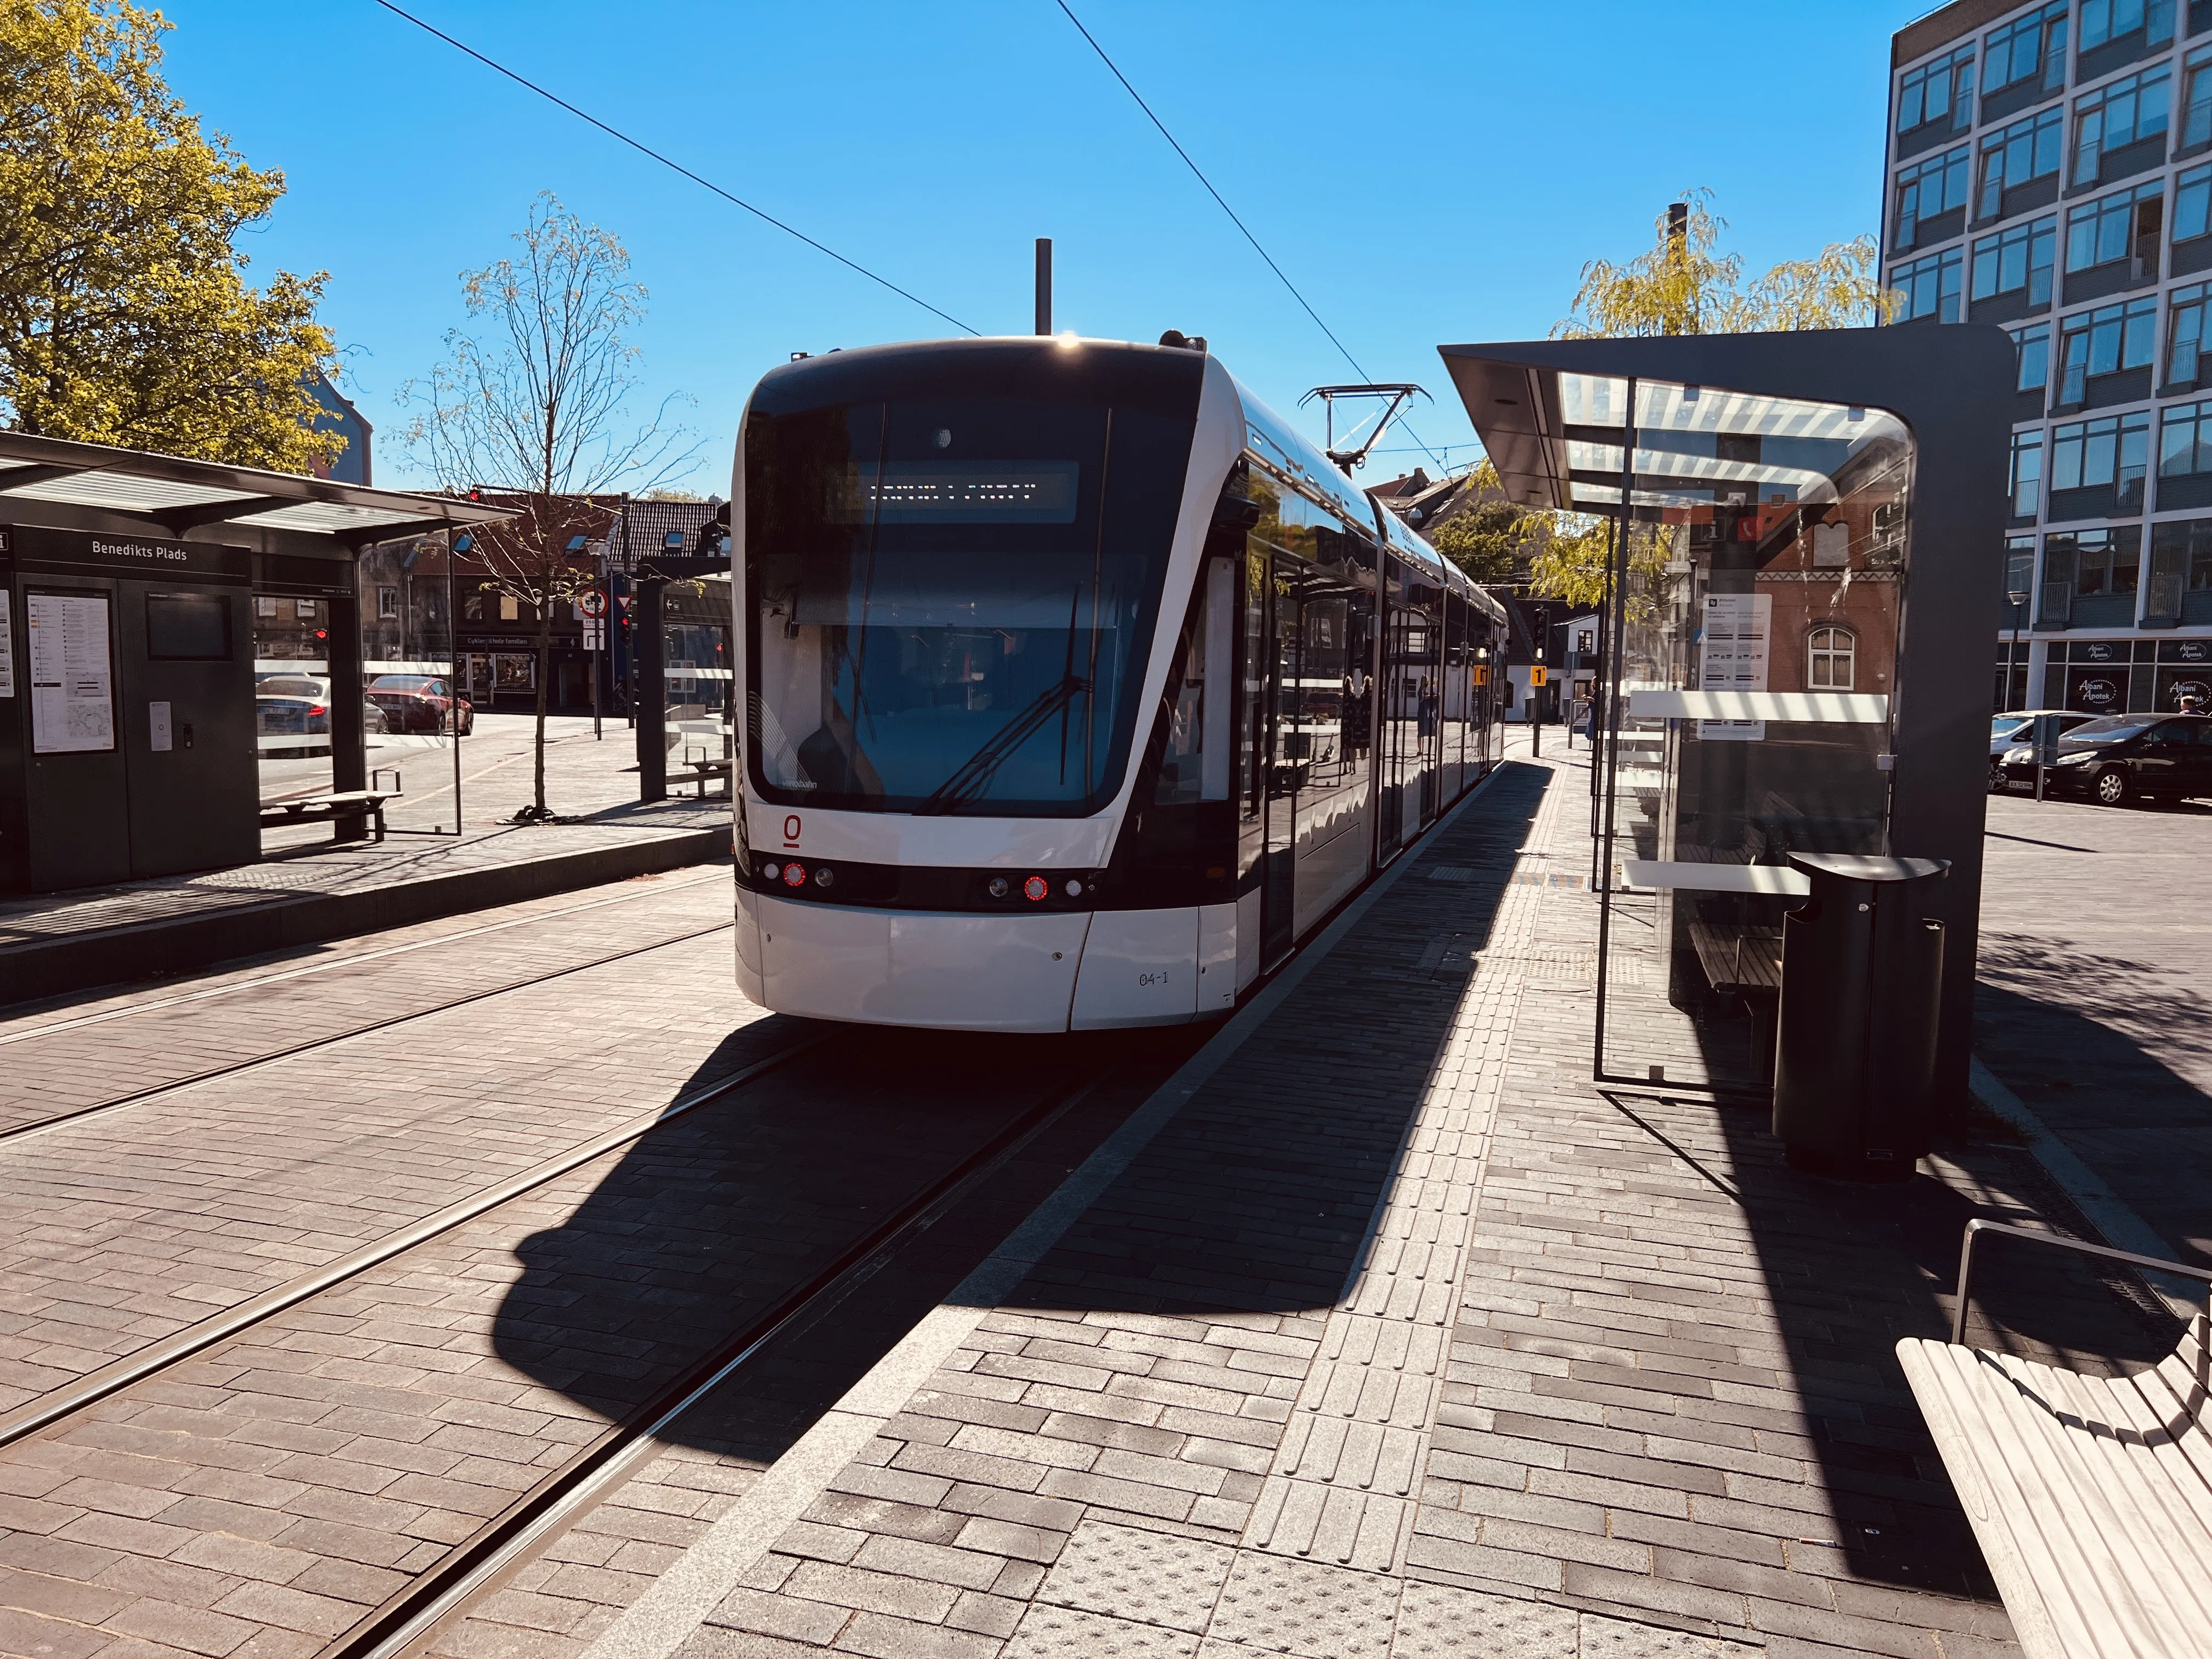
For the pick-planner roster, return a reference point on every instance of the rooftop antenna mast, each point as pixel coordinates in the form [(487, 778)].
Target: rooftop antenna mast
[(1396, 395)]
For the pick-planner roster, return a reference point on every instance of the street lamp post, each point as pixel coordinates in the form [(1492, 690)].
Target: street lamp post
[(2035, 735)]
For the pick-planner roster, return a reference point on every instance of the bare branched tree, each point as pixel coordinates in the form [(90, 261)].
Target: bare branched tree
[(533, 400)]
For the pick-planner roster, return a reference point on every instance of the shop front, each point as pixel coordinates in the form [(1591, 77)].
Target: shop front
[(2121, 677)]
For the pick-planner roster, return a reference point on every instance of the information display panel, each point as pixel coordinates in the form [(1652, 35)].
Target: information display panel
[(72, 674)]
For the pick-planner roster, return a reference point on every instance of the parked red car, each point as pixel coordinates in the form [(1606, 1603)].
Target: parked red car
[(419, 703)]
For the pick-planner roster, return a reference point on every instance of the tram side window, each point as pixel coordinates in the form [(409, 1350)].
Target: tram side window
[(1196, 762)]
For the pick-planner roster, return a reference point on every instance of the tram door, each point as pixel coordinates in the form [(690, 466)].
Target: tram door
[(1283, 754)]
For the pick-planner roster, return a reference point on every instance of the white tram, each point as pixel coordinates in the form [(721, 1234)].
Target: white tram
[(1080, 687)]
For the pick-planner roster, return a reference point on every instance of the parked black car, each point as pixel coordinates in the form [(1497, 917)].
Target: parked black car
[(2122, 757)]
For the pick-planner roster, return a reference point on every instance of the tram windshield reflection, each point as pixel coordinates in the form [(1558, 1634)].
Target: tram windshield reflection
[(940, 621)]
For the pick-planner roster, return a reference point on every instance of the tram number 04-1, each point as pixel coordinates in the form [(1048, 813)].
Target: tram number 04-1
[(1146, 981)]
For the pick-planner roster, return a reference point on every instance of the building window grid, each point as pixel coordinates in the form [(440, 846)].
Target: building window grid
[(2113, 226), (2184, 440), (1926, 188), (2032, 349), (2020, 259), (2017, 154), (2192, 201), (1832, 652), (2194, 121), (2027, 473), (2105, 341), (2185, 331), (2111, 452), (2027, 48), (1930, 286), (2103, 21), (1934, 91), (2117, 114)]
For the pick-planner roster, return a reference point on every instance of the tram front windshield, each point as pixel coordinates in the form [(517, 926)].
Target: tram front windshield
[(940, 622)]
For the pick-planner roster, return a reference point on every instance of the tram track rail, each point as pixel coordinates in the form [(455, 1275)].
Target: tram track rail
[(60, 1405), (137, 1009), (480, 1564), (78, 1115)]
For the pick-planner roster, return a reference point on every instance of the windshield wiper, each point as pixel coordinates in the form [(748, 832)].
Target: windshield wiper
[(976, 771)]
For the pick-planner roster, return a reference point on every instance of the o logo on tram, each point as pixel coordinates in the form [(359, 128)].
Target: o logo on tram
[(791, 830)]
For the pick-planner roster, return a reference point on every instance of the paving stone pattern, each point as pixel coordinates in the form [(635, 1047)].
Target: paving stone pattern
[(262, 1497), (1403, 1338), (2091, 1004), (133, 1224), (61, 1061)]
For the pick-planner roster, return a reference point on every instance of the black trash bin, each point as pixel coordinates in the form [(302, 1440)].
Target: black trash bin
[(1862, 975)]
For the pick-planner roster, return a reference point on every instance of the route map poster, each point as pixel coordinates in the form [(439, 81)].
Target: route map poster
[(72, 674), (1735, 657)]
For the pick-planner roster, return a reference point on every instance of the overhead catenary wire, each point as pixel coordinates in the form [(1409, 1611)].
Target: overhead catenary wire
[(1199, 173), (674, 166)]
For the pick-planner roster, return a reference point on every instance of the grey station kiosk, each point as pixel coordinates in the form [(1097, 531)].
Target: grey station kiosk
[(1804, 536), (127, 697)]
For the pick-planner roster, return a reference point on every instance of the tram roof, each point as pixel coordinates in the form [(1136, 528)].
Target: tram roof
[(1284, 446)]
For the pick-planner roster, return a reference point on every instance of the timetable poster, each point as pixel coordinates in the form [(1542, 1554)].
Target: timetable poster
[(1735, 657), (72, 674)]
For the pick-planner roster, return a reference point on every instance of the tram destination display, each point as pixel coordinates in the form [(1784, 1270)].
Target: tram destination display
[(959, 492)]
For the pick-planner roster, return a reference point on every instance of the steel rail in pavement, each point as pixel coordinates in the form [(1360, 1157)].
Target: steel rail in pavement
[(140, 1097), (96, 1385), (77, 1022), (478, 1564)]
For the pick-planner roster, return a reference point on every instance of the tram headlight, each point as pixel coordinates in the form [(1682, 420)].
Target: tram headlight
[(1000, 887), (771, 870), (825, 877), (794, 875), (1075, 890), (1035, 889)]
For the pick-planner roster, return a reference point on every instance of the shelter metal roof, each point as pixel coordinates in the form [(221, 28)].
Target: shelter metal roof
[(1556, 437), (167, 494)]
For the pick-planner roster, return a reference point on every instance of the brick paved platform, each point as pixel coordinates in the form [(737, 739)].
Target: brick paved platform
[(54, 943), (2092, 1005), (1380, 1331)]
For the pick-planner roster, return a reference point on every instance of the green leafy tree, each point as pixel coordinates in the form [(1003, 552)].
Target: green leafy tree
[(534, 403), (125, 314), (1491, 537)]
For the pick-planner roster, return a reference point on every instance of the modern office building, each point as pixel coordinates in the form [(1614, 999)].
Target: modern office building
[(2049, 169)]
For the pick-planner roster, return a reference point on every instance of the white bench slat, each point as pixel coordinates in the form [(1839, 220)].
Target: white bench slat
[(2095, 1518), (2077, 1556)]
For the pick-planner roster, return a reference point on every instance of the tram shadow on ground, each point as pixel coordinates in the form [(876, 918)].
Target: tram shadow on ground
[(694, 1233), (1256, 1198)]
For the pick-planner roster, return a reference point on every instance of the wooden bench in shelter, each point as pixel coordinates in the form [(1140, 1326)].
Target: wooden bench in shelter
[(2091, 1496), (355, 804)]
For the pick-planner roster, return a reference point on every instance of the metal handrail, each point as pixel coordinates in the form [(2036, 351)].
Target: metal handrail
[(1979, 1225)]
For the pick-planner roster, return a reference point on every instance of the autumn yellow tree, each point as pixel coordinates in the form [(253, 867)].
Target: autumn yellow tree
[(1685, 284), (126, 316)]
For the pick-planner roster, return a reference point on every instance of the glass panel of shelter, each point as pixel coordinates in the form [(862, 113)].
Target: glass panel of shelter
[(415, 701), (1757, 619)]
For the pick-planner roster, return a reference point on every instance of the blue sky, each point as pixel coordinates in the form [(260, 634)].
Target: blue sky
[(1425, 173)]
